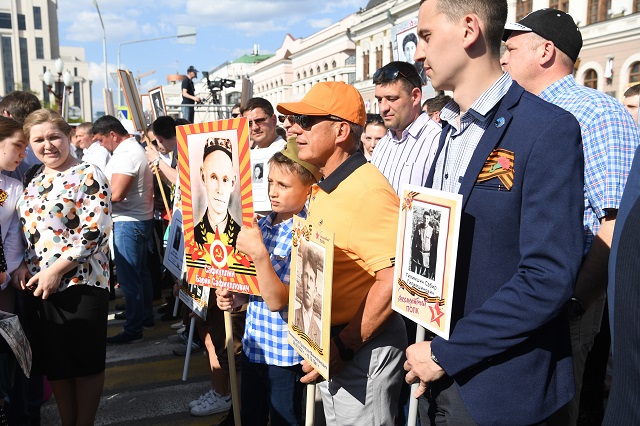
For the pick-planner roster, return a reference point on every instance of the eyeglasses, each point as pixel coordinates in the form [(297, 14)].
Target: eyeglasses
[(283, 118), (258, 121), (374, 118), (235, 114), (307, 121), (388, 74)]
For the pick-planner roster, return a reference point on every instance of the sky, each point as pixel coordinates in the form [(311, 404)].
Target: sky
[(226, 30)]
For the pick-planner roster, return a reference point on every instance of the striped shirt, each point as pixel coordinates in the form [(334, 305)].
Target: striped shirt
[(609, 141), (265, 333), (408, 160), (460, 143)]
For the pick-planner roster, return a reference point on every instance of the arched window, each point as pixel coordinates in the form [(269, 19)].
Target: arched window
[(318, 69), (305, 74), (334, 64), (298, 76), (310, 71), (326, 67), (634, 73), (591, 79)]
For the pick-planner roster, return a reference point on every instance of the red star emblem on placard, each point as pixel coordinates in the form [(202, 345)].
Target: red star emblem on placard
[(218, 254), (436, 313)]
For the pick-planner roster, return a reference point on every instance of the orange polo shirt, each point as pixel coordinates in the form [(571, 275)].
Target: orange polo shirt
[(357, 204)]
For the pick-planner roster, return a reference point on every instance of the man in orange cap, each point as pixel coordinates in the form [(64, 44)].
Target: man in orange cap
[(364, 329)]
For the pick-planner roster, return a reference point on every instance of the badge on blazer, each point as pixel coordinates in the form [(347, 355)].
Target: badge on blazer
[(498, 165)]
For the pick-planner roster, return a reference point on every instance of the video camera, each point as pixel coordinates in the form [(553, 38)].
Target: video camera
[(218, 83)]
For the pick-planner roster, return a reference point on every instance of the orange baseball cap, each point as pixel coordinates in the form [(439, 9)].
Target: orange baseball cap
[(335, 98)]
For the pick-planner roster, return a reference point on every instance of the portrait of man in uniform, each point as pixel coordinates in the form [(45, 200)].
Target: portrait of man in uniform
[(424, 245), (308, 315)]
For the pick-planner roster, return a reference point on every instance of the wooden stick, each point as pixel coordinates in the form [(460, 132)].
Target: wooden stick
[(311, 404), (192, 326), (164, 197), (235, 395), (413, 402)]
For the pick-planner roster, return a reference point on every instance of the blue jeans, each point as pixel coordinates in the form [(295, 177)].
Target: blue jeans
[(130, 240), (188, 112), (270, 391)]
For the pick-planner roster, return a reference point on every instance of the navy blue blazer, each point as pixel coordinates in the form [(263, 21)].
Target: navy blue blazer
[(518, 257)]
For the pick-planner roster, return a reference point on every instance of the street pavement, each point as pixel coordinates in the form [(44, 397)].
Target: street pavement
[(143, 382)]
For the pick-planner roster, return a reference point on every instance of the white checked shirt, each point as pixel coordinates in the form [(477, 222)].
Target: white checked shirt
[(461, 143), (409, 159)]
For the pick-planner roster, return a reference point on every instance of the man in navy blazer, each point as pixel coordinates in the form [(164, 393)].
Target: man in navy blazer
[(517, 160)]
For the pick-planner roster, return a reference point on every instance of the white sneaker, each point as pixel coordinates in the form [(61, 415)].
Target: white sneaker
[(211, 405), (201, 398)]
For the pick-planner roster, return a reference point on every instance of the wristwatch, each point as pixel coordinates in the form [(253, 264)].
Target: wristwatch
[(346, 353), (575, 307), (156, 161), (434, 359)]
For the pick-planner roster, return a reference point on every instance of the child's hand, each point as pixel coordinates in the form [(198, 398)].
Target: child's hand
[(228, 300), (250, 240)]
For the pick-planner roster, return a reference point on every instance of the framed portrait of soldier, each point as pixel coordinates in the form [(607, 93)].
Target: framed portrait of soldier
[(158, 107), (426, 254), (404, 41), (260, 179), (145, 101), (311, 278), (215, 182)]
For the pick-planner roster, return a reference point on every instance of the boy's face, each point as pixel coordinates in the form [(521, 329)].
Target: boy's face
[(287, 193)]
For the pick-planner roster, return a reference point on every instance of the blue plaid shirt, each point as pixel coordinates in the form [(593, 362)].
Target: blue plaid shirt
[(265, 333), (609, 140)]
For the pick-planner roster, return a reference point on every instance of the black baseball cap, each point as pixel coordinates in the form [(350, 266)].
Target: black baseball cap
[(192, 69), (553, 25)]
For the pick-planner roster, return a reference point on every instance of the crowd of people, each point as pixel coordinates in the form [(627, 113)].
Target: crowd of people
[(546, 250)]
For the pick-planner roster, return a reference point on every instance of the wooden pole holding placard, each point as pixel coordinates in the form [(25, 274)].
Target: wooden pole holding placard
[(187, 357), (235, 395), (311, 405), (413, 402)]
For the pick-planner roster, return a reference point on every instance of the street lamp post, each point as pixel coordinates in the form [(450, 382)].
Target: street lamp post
[(62, 83), (104, 47)]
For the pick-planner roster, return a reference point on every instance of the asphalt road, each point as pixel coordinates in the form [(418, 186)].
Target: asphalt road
[(143, 382)]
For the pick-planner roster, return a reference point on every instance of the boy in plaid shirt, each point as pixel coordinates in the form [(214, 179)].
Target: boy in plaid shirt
[(271, 370)]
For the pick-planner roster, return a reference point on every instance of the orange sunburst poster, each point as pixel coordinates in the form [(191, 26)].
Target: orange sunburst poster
[(215, 181)]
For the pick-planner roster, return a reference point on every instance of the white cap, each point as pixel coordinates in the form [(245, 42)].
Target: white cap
[(129, 127)]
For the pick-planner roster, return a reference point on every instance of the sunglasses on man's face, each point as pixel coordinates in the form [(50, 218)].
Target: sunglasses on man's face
[(307, 121), (389, 74), (235, 114), (258, 122), (283, 118)]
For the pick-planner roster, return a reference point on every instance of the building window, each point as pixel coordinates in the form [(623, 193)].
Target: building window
[(24, 64), (326, 67), (76, 94), (523, 8), (39, 48), (334, 64), (562, 5), (597, 10), (365, 65), (5, 20), (634, 73), (636, 6), (37, 18), (318, 69), (591, 79), (304, 73), (379, 58), (310, 71), (7, 64), (22, 22)]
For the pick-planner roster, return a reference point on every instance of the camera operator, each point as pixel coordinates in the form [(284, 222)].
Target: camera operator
[(188, 94)]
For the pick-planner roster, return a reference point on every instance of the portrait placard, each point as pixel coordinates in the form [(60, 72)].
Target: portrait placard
[(107, 98), (310, 294), (260, 179), (147, 109), (426, 253), (132, 98), (174, 252), (157, 102), (196, 297), (215, 182), (404, 40)]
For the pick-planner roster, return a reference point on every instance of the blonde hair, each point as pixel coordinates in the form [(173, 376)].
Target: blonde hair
[(42, 116)]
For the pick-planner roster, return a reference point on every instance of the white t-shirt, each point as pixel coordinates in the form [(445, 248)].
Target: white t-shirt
[(97, 155), (129, 159)]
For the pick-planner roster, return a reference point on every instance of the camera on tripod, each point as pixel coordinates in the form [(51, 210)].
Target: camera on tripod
[(218, 83)]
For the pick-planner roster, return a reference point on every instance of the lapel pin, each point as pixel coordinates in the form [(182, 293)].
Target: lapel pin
[(499, 122)]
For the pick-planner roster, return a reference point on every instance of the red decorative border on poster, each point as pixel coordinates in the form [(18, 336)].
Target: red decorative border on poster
[(233, 270)]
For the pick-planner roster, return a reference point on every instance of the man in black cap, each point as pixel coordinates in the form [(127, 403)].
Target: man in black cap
[(188, 94), (541, 51)]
